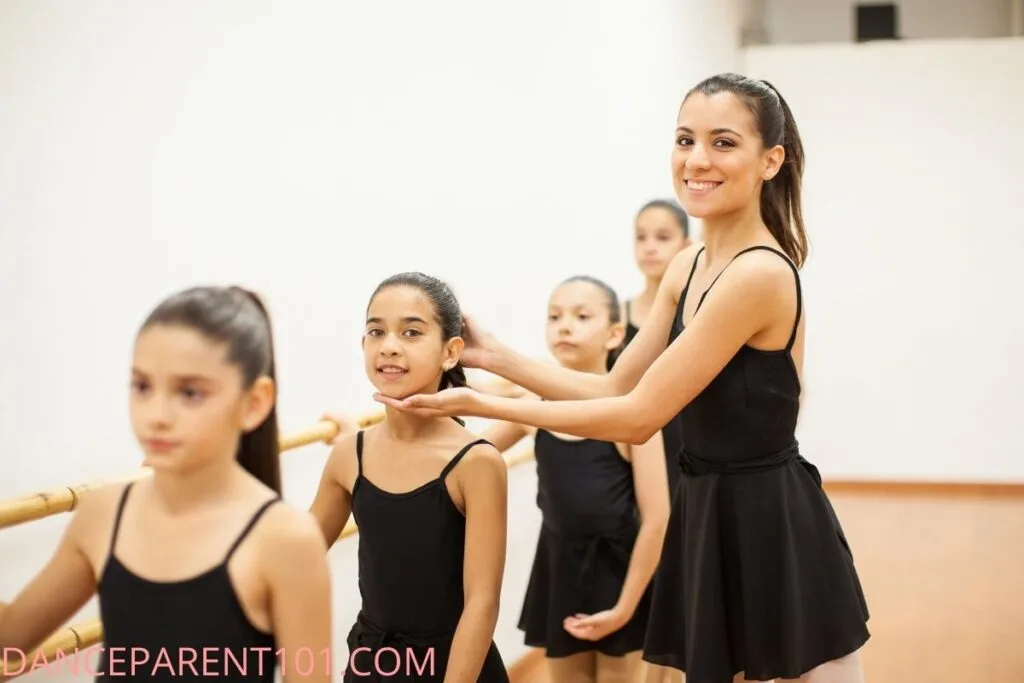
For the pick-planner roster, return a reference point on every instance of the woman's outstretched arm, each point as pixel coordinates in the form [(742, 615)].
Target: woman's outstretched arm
[(555, 383), (753, 295)]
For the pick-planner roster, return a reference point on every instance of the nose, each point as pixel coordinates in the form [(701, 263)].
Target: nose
[(390, 345), (698, 157), (159, 413)]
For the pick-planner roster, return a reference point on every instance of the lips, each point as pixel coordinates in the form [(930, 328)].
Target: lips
[(391, 371), (702, 186), (160, 445)]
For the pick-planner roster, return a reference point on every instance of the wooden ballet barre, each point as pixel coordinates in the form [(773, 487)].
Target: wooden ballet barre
[(65, 499), (81, 636)]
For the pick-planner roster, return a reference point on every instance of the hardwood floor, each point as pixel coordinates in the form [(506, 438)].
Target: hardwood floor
[(943, 570)]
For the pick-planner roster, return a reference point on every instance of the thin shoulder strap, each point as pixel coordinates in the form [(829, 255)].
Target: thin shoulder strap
[(689, 279), (248, 527), (118, 515), (629, 317), (359, 454), (458, 456), (796, 275)]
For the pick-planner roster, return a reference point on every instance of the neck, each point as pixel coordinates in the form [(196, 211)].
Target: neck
[(650, 290), (407, 427), (596, 367), (723, 236), (180, 491)]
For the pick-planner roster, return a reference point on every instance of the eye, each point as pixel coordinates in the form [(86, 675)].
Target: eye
[(139, 386), (413, 333), (724, 143), (373, 333), (192, 394), (684, 141)]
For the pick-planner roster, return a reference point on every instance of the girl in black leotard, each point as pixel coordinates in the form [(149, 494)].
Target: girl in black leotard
[(604, 507), (199, 568), (661, 232), (756, 580), (429, 499)]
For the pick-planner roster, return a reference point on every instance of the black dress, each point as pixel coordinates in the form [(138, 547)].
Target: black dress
[(411, 549), (671, 433), (756, 574), (590, 524)]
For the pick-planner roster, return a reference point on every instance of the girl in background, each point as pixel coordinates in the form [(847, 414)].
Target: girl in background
[(661, 230), (203, 554), (430, 501), (594, 556)]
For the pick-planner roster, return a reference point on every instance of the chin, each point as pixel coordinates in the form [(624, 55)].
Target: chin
[(399, 391)]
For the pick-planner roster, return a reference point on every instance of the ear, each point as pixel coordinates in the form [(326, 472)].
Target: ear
[(258, 403), (774, 159), (616, 335), (452, 352)]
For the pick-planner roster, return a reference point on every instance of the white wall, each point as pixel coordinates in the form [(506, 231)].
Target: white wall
[(309, 149), (914, 284), (825, 21)]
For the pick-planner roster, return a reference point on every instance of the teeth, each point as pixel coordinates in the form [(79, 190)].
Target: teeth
[(701, 185)]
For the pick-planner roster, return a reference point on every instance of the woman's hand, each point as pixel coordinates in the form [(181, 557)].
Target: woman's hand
[(481, 346), (445, 403), (595, 626)]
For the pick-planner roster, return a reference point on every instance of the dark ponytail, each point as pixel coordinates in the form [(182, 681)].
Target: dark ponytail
[(446, 311), (259, 450), (235, 317), (781, 208), (781, 197)]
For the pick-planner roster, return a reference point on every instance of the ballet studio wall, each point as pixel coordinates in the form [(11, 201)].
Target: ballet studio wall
[(308, 150)]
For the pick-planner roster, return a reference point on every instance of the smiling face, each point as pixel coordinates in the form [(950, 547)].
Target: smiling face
[(719, 161), (403, 346)]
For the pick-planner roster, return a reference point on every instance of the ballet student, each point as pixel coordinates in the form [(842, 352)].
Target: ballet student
[(604, 507), (430, 500), (756, 579), (200, 569), (661, 231)]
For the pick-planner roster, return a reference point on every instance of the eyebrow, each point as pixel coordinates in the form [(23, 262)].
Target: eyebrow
[(716, 131), (179, 378), (406, 319)]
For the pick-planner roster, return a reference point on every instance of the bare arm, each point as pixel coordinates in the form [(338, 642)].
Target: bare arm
[(300, 596), (556, 383), (484, 482), (57, 592), (332, 504), (505, 435), (754, 295), (650, 481)]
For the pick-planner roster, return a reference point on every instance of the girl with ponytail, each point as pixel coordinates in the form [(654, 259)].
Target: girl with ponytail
[(756, 579), (429, 498), (203, 555)]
